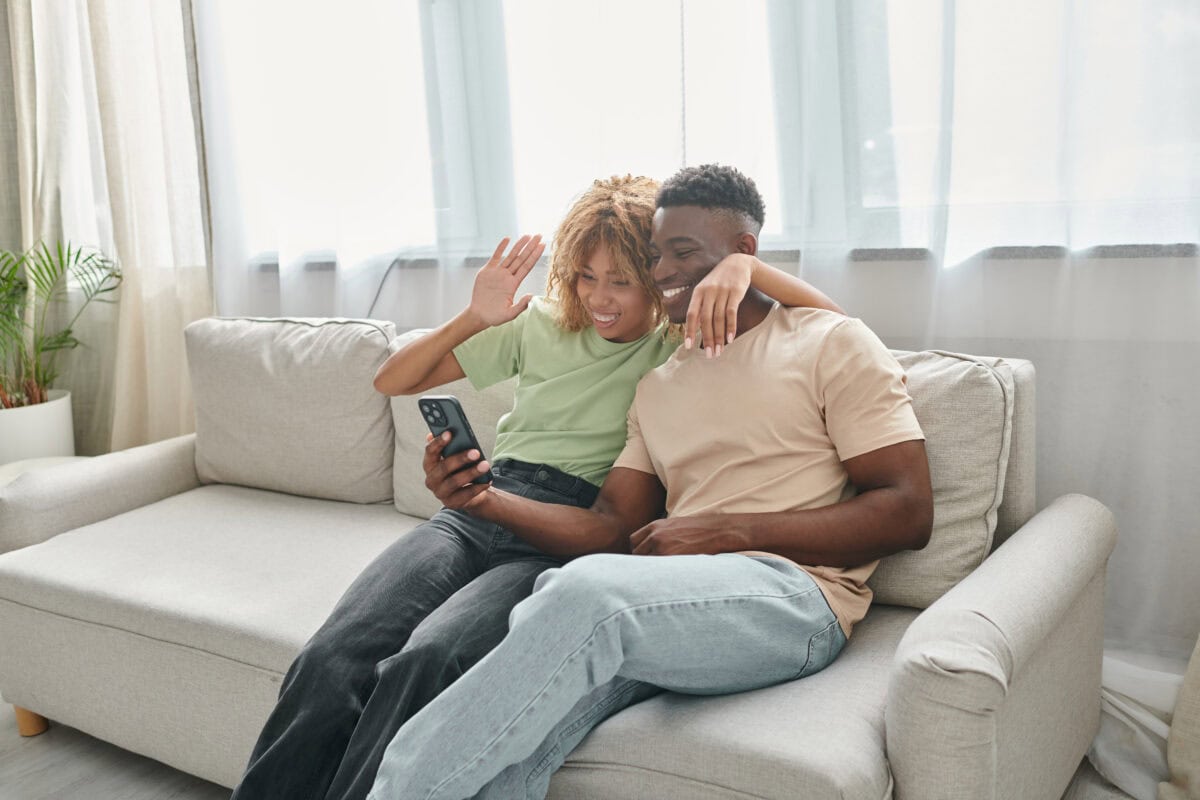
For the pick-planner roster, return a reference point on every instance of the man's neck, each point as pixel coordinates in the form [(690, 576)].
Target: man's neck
[(753, 309)]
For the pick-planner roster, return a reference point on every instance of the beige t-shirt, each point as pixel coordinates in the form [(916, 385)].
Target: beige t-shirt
[(766, 427)]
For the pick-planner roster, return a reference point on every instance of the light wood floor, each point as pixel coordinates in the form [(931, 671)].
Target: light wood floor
[(64, 764)]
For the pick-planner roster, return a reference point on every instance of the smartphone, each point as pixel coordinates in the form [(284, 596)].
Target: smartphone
[(442, 412)]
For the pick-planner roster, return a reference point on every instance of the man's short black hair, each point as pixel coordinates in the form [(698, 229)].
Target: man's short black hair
[(713, 186)]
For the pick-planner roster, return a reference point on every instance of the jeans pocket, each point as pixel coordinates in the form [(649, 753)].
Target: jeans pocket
[(823, 647)]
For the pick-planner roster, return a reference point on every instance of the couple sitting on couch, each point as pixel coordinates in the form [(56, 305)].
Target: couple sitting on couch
[(475, 652)]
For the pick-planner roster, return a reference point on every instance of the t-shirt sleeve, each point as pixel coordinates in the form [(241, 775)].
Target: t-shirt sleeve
[(493, 355), (864, 392), (635, 455)]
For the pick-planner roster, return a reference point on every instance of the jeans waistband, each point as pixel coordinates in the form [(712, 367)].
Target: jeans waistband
[(548, 476)]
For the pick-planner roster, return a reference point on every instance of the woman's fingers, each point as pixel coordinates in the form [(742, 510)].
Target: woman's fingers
[(711, 315), (499, 252), (433, 450), (529, 258), (514, 253), (691, 323), (706, 323), (717, 324), (731, 307), (704, 310)]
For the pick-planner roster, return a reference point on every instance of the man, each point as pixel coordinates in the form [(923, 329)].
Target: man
[(758, 572)]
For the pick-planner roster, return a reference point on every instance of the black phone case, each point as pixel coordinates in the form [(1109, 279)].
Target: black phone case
[(442, 412)]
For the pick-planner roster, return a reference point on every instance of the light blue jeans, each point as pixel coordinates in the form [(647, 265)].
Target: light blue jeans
[(598, 635)]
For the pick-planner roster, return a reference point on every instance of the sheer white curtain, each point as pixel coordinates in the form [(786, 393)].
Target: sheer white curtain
[(318, 151), (1023, 179), (1014, 178), (339, 140), (106, 156)]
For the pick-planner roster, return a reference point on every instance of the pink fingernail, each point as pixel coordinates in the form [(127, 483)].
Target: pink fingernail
[(718, 351), (708, 352), (729, 338), (687, 343)]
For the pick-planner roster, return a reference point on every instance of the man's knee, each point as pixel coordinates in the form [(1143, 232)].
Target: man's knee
[(587, 580), (586, 587)]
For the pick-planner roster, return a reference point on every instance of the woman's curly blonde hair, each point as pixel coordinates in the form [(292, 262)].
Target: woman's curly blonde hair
[(617, 213)]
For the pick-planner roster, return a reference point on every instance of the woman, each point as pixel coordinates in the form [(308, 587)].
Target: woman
[(438, 599)]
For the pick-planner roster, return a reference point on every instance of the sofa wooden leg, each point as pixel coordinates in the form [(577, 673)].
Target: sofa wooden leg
[(29, 723)]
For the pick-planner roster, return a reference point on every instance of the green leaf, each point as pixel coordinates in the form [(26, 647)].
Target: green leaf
[(27, 349)]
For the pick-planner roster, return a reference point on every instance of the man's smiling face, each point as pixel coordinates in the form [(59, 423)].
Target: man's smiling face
[(687, 242)]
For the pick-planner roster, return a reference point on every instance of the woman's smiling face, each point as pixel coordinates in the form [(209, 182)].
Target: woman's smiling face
[(620, 309)]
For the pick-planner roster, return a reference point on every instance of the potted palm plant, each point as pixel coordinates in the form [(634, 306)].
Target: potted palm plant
[(35, 420)]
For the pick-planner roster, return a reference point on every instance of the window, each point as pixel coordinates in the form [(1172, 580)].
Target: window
[(415, 126)]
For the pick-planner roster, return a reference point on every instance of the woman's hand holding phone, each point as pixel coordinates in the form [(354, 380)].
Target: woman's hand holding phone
[(453, 461), (497, 281), (451, 478)]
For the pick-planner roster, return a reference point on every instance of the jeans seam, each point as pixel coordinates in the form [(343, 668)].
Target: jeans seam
[(819, 635), (546, 760), (607, 702), (592, 635), (497, 531)]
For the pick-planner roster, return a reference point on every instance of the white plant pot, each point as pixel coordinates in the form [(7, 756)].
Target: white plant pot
[(39, 431)]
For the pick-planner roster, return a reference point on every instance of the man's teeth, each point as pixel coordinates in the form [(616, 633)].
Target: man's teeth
[(669, 293), (603, 317)]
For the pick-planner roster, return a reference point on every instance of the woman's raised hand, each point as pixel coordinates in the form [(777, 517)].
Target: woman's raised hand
[(496, 283), (712, 311)]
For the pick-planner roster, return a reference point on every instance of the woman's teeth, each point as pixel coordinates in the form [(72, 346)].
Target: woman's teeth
[(669, 293), (604, 317)]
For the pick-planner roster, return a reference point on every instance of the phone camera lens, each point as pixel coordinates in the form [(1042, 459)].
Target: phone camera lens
[(429, 418)]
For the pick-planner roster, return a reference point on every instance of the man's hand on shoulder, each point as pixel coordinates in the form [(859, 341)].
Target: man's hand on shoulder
[(677, 536)]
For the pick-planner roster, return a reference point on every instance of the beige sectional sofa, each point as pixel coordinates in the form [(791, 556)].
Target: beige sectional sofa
[(155, 597)]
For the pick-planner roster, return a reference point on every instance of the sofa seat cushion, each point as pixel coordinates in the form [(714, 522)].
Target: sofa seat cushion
[(241, 573), (820, 737)]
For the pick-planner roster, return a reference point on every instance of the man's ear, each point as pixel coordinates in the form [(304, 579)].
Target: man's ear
[(747, 243)]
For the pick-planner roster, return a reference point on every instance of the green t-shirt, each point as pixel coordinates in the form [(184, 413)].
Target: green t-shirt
[(573, 389)]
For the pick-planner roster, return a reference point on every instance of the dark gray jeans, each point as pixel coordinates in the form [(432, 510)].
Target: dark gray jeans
[(419, 616)]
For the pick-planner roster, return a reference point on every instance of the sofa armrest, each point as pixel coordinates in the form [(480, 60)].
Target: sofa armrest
[(995, 688), (44, 503)]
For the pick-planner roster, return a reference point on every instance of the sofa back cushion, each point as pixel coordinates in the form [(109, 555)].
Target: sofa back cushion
[(965, 407), (288, 405), (483, 410)]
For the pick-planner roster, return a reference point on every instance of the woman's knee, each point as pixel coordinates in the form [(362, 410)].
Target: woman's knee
[(321, 668), (422, 658)]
